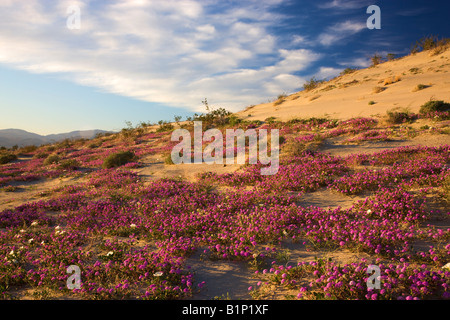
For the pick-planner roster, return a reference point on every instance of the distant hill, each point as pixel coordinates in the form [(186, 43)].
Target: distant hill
[(12, 137)]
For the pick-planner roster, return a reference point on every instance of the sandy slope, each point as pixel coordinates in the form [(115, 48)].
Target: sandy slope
[(349, 95)]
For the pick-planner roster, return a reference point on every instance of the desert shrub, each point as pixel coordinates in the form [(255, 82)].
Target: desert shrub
[(434, 106), (28, 149), (94, 145), (215, 118), (391, 80), (234, 120), (347, 71), (69, 164), (395, 117), (40, 155), (420, 87), (390, 56), (9, 189), (293, 147), (168, 159), (118, 159), (371, 103), (51, 159), (378, 89), (376, 59), (312, 84), (446, 187), (270, 120), (7, 158), (280, 99), (429, 43), (66, 143), (164, 126)]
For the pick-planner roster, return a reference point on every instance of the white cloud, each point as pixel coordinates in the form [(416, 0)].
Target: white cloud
[(340, 31), (328, 72), (357, 62), (172, 52), (345, 5)]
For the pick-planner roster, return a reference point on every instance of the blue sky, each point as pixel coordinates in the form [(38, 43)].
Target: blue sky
[(139, 60)]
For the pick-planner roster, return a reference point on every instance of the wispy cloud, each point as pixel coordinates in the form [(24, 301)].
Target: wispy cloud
[(156, 51), (345, 4), (340, 31)]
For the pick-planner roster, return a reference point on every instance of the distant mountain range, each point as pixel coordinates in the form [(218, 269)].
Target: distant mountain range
[(12, 137)]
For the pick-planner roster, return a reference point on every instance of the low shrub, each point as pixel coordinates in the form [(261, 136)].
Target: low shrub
[(378, 89), (395, 117), (312, 84), (434, 106), (69, 164), (118, 159), (420, 87), (51, 159), (7, 158)]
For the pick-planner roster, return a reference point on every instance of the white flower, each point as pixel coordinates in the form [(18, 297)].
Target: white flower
[(132, 225), (42, 242), (158, 274), (110, 253), (57, 227), (34, 223), (30, 240), (11, 253), (447, 266), (369, 211), (22, 231)]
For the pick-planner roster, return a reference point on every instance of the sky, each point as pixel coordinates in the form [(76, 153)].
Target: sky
[(77, 65)]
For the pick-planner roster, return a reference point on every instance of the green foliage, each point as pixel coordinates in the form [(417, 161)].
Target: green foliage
[(312, 84), (27, 149), (428, 43), (433, 106), (280, 99), (420, 87), (446, 187), (41, 155), (51, 159), (347, 71), (69, 164), (168, 159), (164, 126), (7, 158), (234, 120), (215, 118), (270, 120), (118, 159), (390, 56), (376, 59), (395, 117)]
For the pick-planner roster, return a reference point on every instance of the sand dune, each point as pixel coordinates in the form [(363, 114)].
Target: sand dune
[(349, 95)]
